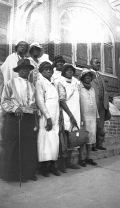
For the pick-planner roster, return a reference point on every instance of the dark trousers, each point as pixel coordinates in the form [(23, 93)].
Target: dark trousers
[(101, 111), (48, 166)]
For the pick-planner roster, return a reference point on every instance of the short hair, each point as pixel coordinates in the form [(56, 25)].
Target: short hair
[(92, 59)]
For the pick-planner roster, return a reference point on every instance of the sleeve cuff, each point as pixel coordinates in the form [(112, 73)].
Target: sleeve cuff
[(14, 109)]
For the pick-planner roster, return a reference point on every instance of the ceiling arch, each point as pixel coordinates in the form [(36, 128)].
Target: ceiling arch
[(115, 4)]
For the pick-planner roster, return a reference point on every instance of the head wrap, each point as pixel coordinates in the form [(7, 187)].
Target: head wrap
[(57, 59), (44, 65)]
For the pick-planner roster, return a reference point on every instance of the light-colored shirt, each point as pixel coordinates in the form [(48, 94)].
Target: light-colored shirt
[(56, 75), (7, 67), (34, 63), (35, 72), (42, 89), (18, 93), (68, 91)]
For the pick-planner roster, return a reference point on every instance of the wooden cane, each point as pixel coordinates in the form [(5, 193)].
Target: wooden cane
[(19, 154)]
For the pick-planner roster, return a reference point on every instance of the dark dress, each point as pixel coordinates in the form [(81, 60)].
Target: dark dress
[(10, 162)]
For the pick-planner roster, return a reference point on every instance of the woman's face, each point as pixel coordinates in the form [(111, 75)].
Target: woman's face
[(87, 78), (59, 65), (69, 73), (36, 52), (47, 72), (22, 47)]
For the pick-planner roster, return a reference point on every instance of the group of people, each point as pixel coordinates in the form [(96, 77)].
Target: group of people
[(43, 102)]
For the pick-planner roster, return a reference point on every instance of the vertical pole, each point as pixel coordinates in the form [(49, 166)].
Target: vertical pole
[(19, 155)]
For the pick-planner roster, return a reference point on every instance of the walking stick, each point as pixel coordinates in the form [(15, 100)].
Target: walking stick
[(19, 154)]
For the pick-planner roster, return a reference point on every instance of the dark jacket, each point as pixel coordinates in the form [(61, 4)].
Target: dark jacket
[(96, 87)]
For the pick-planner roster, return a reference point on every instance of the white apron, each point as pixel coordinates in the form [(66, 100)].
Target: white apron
[(72, 101), (48, 141)]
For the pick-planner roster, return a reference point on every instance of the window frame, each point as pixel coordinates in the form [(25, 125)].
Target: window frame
[(89, 48)]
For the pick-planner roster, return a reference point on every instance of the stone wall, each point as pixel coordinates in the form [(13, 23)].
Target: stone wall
[(112, 142), (112, 127)]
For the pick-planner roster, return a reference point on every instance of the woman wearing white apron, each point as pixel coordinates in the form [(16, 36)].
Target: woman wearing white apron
[(68, 89), (48, 103)]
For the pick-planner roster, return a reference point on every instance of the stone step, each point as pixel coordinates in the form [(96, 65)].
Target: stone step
[(110, 140), (112, 150)]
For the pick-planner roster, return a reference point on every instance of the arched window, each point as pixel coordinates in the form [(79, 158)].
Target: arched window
[(65, 34), (108, 52), (85, 35)]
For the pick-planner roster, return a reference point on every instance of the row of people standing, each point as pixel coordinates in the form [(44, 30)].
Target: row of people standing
[(77, 100), (50, 91)]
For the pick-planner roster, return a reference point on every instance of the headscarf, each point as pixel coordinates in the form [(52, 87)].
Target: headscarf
[(57, 59), (44, 65)]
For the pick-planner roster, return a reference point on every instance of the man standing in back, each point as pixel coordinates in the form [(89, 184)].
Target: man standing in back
[(102, 103)]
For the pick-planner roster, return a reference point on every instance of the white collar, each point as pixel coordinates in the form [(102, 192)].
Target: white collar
[(23, 79)]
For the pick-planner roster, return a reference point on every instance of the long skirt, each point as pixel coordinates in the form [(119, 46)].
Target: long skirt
[(9, 169)]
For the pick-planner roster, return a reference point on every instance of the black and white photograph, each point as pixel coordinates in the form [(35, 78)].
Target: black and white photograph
[(59, 103)]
